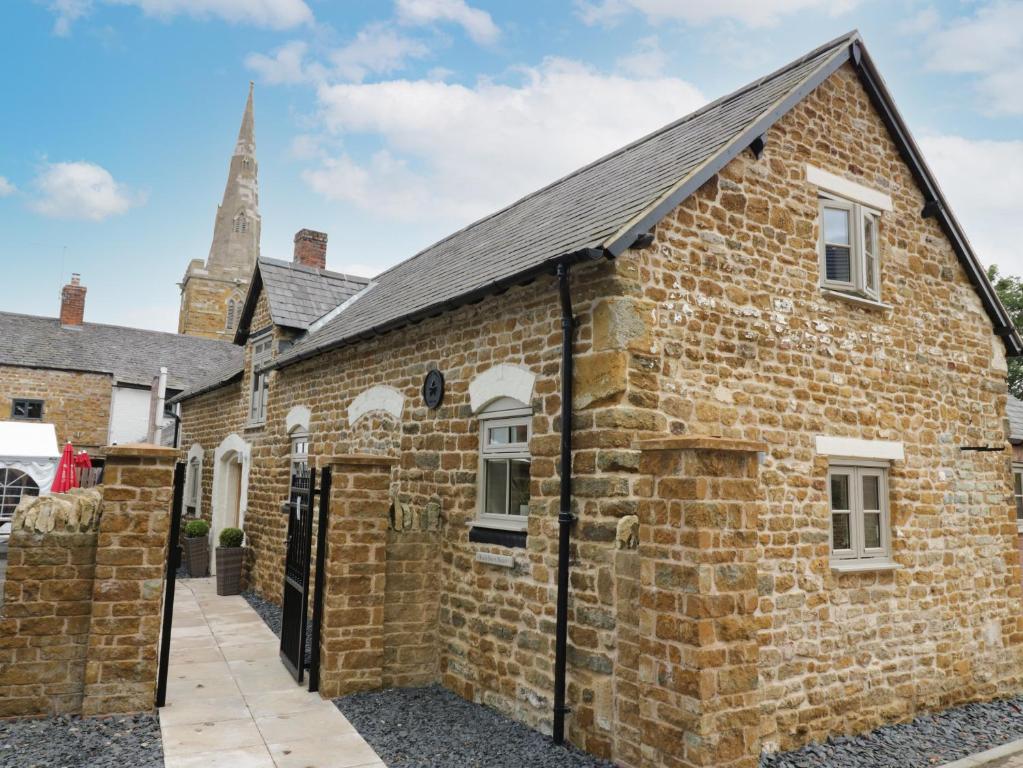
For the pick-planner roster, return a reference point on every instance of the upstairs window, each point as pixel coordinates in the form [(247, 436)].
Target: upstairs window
[(849, 247), (26, 409), (504, 464), (860, 526), (262, 349)]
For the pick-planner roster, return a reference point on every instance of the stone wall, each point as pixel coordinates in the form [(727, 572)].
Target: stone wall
[(47, 604), (83, 593), (204, 300), (718, 329), (77, 404)]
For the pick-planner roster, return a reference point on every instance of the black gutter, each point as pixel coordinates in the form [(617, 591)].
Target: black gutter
[(935, 204), (490, 289), (565, 516)]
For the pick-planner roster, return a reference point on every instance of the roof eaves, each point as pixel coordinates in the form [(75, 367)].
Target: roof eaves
[(304, 352), (255, 284), (207, 387), (646, 219)]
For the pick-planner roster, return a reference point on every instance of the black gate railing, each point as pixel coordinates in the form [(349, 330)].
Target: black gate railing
[(295, 603), (173, 559), (321, 576)]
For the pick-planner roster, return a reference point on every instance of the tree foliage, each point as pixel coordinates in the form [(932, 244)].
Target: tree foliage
[(1010, 291)]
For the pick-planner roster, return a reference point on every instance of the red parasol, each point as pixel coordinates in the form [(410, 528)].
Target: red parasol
[(65, 479), (82, 460)]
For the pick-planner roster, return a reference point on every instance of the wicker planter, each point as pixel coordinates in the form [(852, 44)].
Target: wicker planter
[(229, 570), (197, 556)]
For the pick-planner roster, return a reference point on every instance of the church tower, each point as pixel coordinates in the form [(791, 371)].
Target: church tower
[(212, 293)]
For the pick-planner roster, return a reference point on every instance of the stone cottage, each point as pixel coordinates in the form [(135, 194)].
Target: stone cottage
[(696, 452)]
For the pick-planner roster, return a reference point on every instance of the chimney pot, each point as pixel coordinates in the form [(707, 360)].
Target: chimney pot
[(72, 301), (311, 248)]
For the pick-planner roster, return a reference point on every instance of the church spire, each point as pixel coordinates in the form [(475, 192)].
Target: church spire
[(235, 246)]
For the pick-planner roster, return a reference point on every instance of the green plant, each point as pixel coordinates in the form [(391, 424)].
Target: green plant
[(231, 537), (196, 529)]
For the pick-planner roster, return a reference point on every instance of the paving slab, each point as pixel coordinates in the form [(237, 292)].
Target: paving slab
[(231, 703)]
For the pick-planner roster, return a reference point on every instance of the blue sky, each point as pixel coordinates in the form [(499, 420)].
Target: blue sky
[(390, 124)]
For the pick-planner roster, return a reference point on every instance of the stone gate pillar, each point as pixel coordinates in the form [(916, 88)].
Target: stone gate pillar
[(352, 635), (699, 690), (131, 556)]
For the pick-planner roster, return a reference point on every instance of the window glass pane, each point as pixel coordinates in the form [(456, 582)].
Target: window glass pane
[(499, 436), (836, 226), (838, 263), (840, 538), (519, 487), (840, 492), (871, 492), (1017, 479), (520, 433), (872, 530), (1019, 507), (496, 491)]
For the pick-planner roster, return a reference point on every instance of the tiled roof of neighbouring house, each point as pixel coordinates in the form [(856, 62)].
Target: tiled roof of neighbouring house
[(131, 355), (1014, 410), (603, 207), (299, 295)]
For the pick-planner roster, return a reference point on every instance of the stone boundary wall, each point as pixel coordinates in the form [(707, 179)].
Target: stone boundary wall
[(48, 603), (80, 623)]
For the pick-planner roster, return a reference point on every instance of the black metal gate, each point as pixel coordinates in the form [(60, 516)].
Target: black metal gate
[(170, 581)]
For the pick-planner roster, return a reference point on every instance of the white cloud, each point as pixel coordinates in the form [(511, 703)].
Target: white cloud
[(274, 14), (6, 187), (456, 152), (983, 181), (752, 13), (647, 60), (988, 45), (81, 190), (377, 49), (476, 23), (285, 66)]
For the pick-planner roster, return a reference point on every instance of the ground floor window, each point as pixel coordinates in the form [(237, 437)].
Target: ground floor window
[(860, 528), (504, 463), (1017, 493)]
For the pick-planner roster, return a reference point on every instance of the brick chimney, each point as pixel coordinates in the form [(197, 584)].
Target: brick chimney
[(72, 301), (311, 248)]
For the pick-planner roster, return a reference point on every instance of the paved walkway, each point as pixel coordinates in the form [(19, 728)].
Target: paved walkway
[(232, 704)]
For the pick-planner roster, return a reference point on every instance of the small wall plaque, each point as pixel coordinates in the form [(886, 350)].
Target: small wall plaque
[(501, 561), (433, 388)]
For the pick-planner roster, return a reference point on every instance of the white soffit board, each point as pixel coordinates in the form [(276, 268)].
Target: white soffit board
[(848, 189), (855, 448)]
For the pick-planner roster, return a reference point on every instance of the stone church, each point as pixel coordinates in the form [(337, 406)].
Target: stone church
[(212, 292)]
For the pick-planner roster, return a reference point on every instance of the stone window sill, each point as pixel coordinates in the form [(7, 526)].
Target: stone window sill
[(864, 566), (252, 426), (518, 526), (859, 301)]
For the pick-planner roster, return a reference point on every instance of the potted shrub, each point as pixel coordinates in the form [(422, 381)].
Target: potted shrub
[(197, 548), (230, 554)]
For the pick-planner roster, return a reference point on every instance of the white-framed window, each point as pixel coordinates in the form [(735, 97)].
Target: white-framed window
[(262, 351), (860, 521), (193, 489), (1017, 493), (505, 429), (849, 247)]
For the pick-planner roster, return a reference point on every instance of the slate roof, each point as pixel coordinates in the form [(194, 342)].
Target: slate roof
[(131, 355), (1014, 410), (299, 295), (602, 208)]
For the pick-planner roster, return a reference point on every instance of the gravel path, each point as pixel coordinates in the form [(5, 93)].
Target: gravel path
[(434, 728), (927, 741), (76, 742)]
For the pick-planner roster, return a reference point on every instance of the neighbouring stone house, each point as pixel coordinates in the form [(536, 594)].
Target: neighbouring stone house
[(93, 381), (791, 500)]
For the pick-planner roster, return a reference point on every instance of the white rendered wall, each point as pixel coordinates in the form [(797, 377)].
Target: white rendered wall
[(129, 415)]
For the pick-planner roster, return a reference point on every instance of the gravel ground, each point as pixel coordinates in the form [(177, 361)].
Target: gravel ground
[(434, 728), (76, 742), (927, 741)]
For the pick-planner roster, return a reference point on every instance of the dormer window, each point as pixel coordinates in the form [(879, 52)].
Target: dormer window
[(849, 256)]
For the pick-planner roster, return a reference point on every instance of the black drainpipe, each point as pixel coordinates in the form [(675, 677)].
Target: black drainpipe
[(565, 516)]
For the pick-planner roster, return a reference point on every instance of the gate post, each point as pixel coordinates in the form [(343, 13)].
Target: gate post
[(352, 635), (124, 629)]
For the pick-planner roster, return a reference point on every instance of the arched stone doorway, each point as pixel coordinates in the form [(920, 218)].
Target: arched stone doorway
[(231, 463)]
